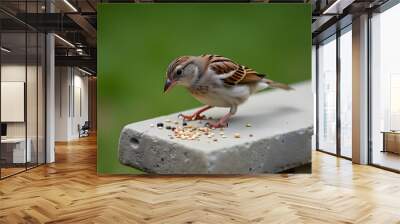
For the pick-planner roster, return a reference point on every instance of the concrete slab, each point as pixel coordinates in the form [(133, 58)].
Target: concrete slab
[(281, 129)]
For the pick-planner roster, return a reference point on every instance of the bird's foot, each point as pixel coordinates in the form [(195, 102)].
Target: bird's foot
[(222, 123), (218, 124), (192, 117)]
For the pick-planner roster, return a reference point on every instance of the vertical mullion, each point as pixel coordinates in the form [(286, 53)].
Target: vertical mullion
[(45, 96), (338, 81), (317, 96), (37, 90), (26, 86), (69, 92), (73, 92), (0, 95), (46, 3), (369, 89)]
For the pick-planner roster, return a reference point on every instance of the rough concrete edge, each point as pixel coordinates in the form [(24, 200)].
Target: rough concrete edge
[(272, 143), (151, 158), (167, 156)]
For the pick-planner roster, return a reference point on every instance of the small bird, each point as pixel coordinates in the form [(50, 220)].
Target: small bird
[(216, 81)]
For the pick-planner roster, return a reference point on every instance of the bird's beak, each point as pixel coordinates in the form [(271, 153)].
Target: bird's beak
[(168, 85)]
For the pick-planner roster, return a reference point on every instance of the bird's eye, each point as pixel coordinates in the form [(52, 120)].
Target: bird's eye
[(179, 72)]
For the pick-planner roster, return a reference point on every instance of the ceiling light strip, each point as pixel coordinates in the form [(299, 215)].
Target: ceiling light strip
[(70, 5), (5, 49), (84, 71), (64, 40)]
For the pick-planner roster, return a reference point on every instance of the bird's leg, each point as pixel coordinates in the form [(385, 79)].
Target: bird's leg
[(223, 122), (196, 115)]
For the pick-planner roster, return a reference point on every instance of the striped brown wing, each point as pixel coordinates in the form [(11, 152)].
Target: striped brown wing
[(235, 73), (251, 76)]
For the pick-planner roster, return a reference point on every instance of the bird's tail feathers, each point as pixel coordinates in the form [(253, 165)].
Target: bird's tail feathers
[(279, 85)]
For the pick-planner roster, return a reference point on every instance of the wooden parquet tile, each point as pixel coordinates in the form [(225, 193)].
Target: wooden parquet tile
[(70, 191)]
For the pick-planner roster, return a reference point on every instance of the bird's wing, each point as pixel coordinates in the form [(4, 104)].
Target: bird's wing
[(232, 73)]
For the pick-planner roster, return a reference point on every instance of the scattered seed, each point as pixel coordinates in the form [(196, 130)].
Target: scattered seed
[(171, 137), (168, 121), (250, 135), (237, 135), (215, 140), (152, 125), (176, 122), (160, 125), (209, 118), (168, 127), (184, 123), (248, 125), (173, 128)]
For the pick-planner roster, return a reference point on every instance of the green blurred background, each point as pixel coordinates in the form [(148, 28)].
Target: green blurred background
[(136, 42)]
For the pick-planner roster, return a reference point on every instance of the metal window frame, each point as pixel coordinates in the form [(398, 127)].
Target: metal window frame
[(339, 32), (44, 74), (381, 9)]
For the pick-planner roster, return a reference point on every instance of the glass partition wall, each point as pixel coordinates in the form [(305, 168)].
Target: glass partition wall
[(327, 95), (345, 62), (385, 89), (22, 88), (334, 106)]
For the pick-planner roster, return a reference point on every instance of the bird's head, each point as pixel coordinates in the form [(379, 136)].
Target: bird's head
[(181, 71)]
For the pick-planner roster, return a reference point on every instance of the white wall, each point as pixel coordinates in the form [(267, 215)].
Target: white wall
[(16, 73), (62, 82), (80, 88), (71, 87)]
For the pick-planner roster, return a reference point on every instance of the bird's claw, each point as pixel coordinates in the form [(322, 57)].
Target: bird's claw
[(192, 117), (216, 125), (199, 117)]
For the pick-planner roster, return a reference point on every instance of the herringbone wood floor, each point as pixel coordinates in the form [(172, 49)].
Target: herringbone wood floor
[(70, 191)]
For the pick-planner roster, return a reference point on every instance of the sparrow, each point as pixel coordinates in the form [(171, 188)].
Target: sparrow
[(216, 81)]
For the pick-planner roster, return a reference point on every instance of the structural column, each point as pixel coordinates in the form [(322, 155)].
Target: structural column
[(360, 90), (50, 92)]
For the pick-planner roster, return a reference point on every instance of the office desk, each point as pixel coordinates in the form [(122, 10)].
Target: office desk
[(13, 150), (391, 141)]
